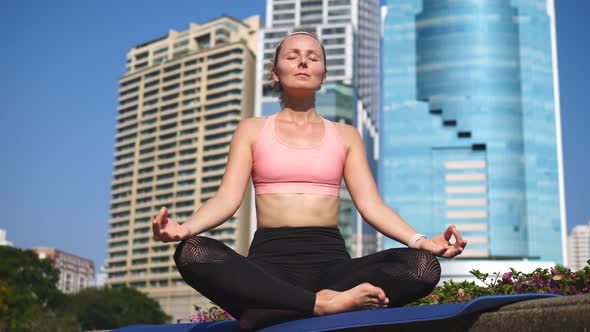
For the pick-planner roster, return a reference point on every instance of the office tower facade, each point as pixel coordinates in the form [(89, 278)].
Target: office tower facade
[(75, 272), (578, 247), (471, 124), (349, 31), (180, 101)]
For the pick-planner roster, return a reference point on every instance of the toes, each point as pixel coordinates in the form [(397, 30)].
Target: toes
[(372, 306), (380, 294), (367, 287)]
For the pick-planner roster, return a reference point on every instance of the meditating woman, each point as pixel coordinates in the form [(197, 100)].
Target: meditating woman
[(297, 262)]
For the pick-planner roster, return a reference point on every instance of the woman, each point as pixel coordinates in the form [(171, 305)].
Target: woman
[(297, 264)]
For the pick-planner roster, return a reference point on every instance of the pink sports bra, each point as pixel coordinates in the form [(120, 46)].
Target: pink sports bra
[(280, 168)]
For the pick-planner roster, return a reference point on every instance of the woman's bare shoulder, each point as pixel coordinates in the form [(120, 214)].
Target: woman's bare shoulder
[(252, 126), (346, 131)]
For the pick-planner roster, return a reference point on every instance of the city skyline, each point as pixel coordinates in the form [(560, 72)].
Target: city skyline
[(60, 93)]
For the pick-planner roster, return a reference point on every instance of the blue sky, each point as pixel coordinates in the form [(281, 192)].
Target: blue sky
[(59, 73)]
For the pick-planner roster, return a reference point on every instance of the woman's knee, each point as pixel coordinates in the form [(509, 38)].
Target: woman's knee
[(428, 269), (199, 249)]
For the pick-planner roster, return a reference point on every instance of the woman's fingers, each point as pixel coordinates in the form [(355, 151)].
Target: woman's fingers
[(448, 232), (158, 223), (156, 227), (164, 220), (453, 251), (459, 242), (453, 231), (433, 247)]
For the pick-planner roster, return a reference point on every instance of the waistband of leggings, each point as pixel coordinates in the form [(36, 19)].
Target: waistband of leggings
[(329, 229), (281, 241)]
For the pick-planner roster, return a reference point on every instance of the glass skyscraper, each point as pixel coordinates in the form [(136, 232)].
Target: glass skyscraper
[(470, 130)]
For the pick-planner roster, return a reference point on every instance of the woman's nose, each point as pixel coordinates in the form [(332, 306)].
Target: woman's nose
[(303, 62)]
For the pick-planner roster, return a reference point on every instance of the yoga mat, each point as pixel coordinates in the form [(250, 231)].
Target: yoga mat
[(364, 318)]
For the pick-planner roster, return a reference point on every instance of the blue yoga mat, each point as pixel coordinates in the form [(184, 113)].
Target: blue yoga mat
[(364, 318)]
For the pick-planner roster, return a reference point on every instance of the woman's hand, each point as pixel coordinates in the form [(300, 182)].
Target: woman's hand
[(166, 230), (440, 245)]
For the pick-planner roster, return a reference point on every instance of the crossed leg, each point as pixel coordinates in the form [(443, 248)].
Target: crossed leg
[(404, 274), (393, 277), (233, 282), (258, 296)]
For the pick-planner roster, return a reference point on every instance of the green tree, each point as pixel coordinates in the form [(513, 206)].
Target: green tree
[(28, 290), (15, 307), (109, 308), (23, 270)]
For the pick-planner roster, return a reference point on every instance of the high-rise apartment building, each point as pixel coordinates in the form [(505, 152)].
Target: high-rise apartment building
[(180, 101), (470, 131), (75, 272), (349, 31), (578, 247)]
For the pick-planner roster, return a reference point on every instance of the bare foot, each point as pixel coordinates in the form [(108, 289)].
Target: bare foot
[(363, 296)]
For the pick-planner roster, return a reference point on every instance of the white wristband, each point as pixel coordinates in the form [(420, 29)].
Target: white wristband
[(415, 238)]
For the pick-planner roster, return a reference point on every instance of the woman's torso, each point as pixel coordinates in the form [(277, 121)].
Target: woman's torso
[(296, 210)]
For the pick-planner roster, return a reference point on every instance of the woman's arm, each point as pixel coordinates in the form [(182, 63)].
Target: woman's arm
[(365, 195), (234, 183)]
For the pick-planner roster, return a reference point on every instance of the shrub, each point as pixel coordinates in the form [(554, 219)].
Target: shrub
[(214, 313), (557, 280)]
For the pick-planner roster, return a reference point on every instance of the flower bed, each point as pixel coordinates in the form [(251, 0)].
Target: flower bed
[(557, 280), (214, 313)]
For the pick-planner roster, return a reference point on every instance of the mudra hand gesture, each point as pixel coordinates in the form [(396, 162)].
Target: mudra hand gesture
[(167, 230), (440, 245)]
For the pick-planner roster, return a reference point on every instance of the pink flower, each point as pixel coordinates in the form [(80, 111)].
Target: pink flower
[(199, 317), (227, 314), (196, 318), (507, 277), (553, 285)]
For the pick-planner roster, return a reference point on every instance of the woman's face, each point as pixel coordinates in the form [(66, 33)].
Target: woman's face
[(300, 67)]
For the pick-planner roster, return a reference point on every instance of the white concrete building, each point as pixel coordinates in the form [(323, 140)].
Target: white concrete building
[(3, 241), (578, 247), (76, 273)]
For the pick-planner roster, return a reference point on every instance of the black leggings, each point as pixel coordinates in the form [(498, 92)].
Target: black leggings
[(286, 266)]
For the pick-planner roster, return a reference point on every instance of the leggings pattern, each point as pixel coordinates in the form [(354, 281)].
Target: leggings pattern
[(278, 275)]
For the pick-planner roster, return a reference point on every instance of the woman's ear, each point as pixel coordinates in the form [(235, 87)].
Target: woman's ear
[(275, 76), (325, 77)]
